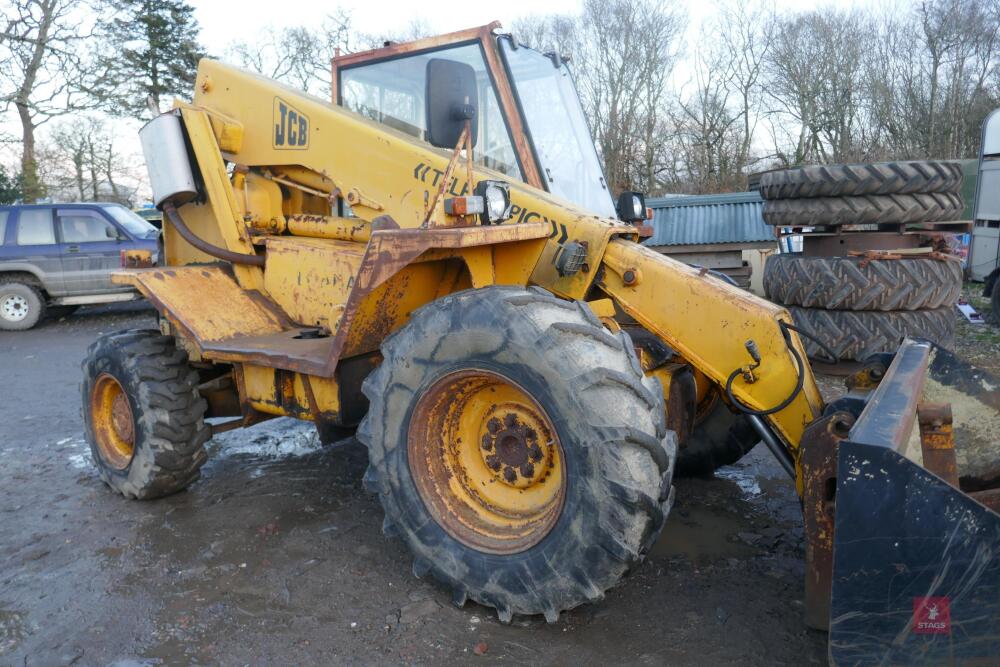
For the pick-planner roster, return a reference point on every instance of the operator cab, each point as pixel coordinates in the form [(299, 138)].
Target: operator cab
[(530, 124)]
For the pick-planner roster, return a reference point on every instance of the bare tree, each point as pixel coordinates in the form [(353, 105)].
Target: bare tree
[(815, 79), (301, 55), (746, 36), (81, 159), (46, 69), (708, 130), (298, 56)]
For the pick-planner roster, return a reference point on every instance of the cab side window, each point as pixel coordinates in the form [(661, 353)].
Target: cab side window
[(85, 228), (393, 92), (34, 227), (3, 225)]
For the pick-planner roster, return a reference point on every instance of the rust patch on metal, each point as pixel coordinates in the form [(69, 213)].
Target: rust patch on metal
[(818, 462), (486, 461), (937, 441)]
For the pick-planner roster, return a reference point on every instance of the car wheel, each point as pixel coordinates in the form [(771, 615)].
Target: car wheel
[(21, 306)]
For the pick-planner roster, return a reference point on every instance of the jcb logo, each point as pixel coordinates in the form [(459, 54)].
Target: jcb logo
[(291, 127)]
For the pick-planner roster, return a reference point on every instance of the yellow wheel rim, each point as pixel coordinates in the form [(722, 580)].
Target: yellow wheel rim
[(486, 461), (114, 427)]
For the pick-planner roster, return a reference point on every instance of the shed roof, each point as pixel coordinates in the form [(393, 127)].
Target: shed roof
[(735, 217)]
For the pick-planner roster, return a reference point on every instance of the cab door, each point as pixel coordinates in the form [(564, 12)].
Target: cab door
[(90, 250)]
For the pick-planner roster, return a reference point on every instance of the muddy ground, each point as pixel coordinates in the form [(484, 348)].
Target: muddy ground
[(276, 555)]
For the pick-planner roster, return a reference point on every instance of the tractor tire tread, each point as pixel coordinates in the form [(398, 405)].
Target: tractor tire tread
[(864, 210), (623, 439), (855, 335), (856, 283), (852, 180), (170, 431)]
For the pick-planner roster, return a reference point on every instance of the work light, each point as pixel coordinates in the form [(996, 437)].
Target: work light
[(496, 202)]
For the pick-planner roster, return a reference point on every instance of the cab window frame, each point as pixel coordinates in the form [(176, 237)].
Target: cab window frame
[(437, 49)]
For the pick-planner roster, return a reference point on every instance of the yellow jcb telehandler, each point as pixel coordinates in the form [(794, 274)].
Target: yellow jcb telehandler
[(436, 258)]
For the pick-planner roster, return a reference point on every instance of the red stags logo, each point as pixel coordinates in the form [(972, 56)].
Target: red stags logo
[(931, 616)]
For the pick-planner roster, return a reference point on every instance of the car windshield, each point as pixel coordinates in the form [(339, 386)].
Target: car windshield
[(557, 128), (132, 223)]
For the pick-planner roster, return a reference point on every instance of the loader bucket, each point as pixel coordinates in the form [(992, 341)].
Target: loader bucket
[(915, 571)]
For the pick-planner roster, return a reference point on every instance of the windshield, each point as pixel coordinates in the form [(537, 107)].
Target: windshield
[(132, 223), (393, 92), (557, 128)]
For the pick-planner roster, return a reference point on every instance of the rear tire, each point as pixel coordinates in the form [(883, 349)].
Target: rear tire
[(143, 415), (852, 180), (613, 455), (21, 305), (855, 335), (865, 210), (856, 283)]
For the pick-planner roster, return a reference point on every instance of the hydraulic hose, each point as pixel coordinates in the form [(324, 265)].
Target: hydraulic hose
[(785, 328), (225, 254)]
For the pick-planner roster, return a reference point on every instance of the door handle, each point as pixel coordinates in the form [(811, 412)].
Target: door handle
[(73, 248)]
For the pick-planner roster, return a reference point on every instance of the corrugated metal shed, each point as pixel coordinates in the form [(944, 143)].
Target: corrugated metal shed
[(708, 219)]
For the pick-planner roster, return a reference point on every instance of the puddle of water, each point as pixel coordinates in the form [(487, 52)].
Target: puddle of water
[(702, 535), (745, 479), (275, 439), (11, 630), (81, 461)]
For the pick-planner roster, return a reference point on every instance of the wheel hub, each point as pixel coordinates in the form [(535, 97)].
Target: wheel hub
[(487, 461), (511, 449), (14, 307), (111, 418)]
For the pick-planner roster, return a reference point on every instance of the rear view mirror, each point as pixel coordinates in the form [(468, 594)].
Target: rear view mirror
[(451, 100)]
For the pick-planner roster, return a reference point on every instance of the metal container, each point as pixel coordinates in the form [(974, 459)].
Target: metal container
[(167, 159)]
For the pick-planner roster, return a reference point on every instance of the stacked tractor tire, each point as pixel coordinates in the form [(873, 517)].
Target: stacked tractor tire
[(867, 275)]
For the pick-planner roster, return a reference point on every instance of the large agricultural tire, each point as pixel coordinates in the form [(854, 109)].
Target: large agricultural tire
[(864, 210), (853, 180), (22, 305), (530, 380), (143, 416), (722, 438), (856, 283), (857, 334)]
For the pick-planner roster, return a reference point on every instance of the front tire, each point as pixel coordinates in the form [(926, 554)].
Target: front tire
[(143, 415), (517, 449)]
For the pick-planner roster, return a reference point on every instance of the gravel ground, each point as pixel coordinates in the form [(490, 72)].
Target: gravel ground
[(276, 555)]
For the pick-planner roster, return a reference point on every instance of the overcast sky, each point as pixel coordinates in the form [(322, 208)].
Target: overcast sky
[(223, 23)]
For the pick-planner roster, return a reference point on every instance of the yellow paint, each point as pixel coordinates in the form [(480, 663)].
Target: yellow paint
[(203, 302), (112, 421), (310, 279), (490, 461), (283, 393), (329, 227), (217, 220), (707, 321)]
